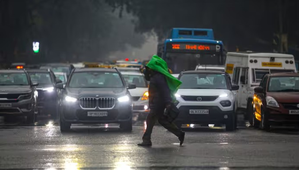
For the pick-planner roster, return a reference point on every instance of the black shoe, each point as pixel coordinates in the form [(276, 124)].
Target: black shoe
[(145, 143), (182, 138)]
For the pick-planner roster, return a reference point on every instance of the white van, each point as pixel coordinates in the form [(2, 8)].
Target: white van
[(247, 70)]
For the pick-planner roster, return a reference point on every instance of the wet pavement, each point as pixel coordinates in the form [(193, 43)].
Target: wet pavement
[(105, 147)]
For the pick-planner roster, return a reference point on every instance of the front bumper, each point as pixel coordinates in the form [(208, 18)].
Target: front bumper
[(281, 116), (22, 107), (46, 101), (215, 116), (73, 113)]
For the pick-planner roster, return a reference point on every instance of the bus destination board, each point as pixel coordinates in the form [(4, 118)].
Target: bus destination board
[(192, 47)]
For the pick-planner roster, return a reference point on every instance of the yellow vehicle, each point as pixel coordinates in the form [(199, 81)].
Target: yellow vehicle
[(130, 65), (91, 65)]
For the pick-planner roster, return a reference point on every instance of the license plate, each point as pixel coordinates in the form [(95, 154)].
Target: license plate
[(294, 112), (198, 111), (5, 104), (97, 114)]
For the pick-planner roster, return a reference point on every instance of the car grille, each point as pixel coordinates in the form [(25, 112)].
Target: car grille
[(197, 98), (10, 96), (290, 106), (93, 103), (138, 107), (135, 98)]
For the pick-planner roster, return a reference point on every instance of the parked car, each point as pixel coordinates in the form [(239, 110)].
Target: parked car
[(276, 101)]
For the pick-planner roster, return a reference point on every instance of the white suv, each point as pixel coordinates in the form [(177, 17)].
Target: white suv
[(206, 97)]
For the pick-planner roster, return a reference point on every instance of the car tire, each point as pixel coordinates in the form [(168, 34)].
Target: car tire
[(249, 111), (126, 126), (230, 124), (64, 126), (265, 124)]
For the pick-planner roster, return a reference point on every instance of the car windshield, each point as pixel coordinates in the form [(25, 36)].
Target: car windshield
[(203, 81), (96, 80), (62, 77), (283, 84), (138, 80), (41, 78), (10, 79), (178, 62), (258, 74)]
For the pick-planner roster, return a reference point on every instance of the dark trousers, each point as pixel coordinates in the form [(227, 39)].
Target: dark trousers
[(153, 116)]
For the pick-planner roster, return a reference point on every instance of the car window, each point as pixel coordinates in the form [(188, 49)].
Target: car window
[(61, 77), (13, 79), (96, 80), (264, 82), (41, 78), (203, 81), (283, 84), (138, 80)]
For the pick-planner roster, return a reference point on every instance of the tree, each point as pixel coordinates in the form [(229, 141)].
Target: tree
[(249, 24)]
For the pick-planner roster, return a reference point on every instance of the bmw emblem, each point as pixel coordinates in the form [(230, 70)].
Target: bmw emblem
[(298, 105), (97, 95), (199, 99)]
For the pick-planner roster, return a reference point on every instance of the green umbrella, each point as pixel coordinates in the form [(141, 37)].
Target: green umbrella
[(159, 65)]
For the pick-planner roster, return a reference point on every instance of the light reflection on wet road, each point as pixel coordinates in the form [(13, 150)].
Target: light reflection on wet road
[(43, 146)]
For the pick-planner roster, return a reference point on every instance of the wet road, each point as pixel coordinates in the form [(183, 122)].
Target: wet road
[(43, 146)]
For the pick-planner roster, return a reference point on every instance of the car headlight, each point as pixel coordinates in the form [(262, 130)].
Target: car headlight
[(145, 96), (145, 107), (223, 95), (70, 99), (36, 93), (271, 101), (124, 99), (49, 89), (177, 95)]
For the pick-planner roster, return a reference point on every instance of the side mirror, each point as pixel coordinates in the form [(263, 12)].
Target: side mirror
[(242, 79), (58, 81), (34, 84), (60, 85), (259, 89), (235, 87), (132, 86)]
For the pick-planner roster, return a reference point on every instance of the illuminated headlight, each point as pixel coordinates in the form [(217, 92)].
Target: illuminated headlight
[(223, 95), (123, 99), (36, 93), (177, 95), (49, 89), (70, 99), (145, 107), (271, 101)]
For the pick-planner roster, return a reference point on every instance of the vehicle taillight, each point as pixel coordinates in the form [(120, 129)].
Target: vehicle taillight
[(145, 96), (19, 67)]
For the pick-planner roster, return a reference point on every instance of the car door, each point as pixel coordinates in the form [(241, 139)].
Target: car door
[(243, 92), (236, 81)]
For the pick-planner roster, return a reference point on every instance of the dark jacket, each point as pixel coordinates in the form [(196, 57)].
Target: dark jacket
[(159, 92)]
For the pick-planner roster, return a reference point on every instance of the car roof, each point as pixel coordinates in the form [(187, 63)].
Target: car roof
[(130, 73), (12, 71), (284, 74), (95, 69), (38, 70), (202, 71)]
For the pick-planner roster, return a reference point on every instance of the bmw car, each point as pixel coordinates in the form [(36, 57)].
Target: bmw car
[(206, 97), (96, 96)]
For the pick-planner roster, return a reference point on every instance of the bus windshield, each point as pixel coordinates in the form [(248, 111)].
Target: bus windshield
[(179, 62)]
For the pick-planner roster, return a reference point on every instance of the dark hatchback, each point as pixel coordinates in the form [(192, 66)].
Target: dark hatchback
[(276, 101), (48, 94), (17, 95), (94, 96)]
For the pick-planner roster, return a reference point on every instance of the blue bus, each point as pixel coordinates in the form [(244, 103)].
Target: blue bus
[(185, 48)]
